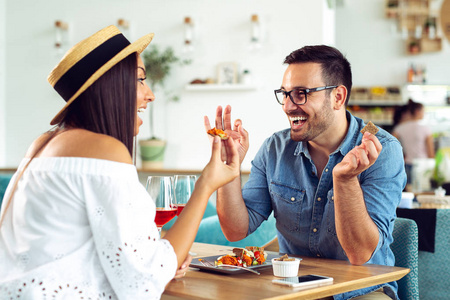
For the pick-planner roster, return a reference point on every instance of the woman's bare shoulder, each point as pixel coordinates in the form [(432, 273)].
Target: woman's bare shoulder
[(84, 143)]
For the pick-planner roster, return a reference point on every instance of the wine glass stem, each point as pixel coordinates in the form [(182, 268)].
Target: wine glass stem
[(159, 230)]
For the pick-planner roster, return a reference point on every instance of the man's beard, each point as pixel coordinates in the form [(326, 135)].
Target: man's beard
[(317, 125)]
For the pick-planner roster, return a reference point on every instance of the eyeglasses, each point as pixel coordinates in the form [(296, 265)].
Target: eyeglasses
[(298, 96)]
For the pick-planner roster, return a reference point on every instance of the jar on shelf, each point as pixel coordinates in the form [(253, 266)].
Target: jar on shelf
[(246, 77)]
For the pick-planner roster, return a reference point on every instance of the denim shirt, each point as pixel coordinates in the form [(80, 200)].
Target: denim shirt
[(284, 180)]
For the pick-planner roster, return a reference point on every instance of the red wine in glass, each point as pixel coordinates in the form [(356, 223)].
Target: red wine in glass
[(180, 208), (161, 191), (164, 215)]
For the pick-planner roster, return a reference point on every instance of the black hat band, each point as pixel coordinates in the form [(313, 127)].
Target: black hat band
[(79, 73)]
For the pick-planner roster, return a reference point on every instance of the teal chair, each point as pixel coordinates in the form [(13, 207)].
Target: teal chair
[(4, 181), (406, 248), (210, 232), (434, 268), (209, 211)]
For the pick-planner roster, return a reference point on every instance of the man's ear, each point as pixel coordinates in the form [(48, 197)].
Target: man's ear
[(340, 94)]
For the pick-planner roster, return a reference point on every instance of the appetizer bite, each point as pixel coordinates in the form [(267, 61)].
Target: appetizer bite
[(284, 258), (370, 127), (218, 132), (250, 256)]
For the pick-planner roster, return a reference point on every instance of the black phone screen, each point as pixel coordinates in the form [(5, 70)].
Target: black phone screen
[(307, 278)]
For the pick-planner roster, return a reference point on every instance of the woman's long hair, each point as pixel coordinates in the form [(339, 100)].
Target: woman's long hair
[(109, 105)]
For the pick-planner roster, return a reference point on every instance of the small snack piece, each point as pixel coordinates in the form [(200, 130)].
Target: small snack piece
[(218, 132), (284, 258), (370, 127)]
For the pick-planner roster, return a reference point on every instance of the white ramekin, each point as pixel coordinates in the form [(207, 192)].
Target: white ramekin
[(285, 268)]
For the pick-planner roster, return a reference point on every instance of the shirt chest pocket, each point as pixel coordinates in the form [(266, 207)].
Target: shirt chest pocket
[(287, 205)]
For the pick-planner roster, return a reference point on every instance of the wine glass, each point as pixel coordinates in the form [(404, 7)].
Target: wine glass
[(184, 186), (161, 191)]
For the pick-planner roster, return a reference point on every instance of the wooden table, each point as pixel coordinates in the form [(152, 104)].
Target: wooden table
[(206, 285)]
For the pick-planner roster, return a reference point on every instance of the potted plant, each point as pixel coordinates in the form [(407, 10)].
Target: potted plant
[(158, 65), (439, 178)]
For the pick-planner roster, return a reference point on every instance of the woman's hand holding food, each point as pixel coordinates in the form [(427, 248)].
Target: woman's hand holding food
[(219, 172), (238, 133)]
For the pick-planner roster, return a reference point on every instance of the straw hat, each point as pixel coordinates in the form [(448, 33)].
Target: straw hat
[(85, 62)]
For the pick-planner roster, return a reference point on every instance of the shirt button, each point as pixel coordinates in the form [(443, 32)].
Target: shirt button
[(326, 170), (315, 230), (332, 197), (318, 199), (292, 198), (318, 255)]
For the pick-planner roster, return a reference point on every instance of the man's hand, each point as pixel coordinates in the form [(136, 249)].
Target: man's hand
[(238, 133), (359, 158)]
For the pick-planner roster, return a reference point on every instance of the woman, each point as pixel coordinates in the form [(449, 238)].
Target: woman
[(76, 222), (416, 138)]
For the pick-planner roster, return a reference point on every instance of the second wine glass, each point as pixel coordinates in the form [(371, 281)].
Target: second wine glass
[(161, 191), (184, 186)]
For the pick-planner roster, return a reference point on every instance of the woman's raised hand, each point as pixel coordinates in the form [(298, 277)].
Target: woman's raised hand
[(219, 172), (238, 133)]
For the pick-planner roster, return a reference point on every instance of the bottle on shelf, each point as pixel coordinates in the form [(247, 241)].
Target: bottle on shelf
[(418, 78), (411, 74)]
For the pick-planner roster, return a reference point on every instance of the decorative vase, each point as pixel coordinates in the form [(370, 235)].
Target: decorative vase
[(152, 153)]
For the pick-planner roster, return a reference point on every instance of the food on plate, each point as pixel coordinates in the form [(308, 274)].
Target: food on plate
[(370, 127), (243, 257), (284, 258), (218, 132)]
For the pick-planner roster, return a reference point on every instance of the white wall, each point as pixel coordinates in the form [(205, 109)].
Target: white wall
[(224, 29), (375, 49), (362, 33), (2, 80)]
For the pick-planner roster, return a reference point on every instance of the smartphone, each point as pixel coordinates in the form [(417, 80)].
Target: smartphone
[(305, 281)]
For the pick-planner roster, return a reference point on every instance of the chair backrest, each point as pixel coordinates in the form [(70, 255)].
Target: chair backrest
[(4, 181), (210, 232), (405, 248), (434, 268)]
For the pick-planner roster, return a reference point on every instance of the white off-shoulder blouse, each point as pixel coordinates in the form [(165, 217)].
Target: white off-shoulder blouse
[(82, 228)]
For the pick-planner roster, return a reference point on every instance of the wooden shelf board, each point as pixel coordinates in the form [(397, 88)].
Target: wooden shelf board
[(219, 87), (375, 102)]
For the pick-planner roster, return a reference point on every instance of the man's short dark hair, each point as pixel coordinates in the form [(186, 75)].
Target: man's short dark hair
[(336, 69)]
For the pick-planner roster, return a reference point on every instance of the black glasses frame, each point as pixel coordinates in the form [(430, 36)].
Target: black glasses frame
[(304, 91)]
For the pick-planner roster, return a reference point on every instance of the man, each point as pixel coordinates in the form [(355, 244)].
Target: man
[(333, 191)]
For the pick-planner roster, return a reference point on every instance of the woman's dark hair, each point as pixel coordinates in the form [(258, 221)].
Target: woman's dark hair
[(336, 69), (398, 114), (412, 107), (108, 106)]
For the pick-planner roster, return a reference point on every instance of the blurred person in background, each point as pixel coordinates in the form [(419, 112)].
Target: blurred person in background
[(415, 137)]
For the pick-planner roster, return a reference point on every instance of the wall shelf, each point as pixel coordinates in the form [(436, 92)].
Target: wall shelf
[(417, 22), (219, 87), (375, 102)]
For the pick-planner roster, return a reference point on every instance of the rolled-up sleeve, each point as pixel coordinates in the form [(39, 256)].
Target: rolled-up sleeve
[(382, 185)]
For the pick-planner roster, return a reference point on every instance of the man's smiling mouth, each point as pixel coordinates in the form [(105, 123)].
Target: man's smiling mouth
[(295, 120)]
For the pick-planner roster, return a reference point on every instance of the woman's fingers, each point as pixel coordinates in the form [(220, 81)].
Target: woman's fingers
[(216, 148)]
